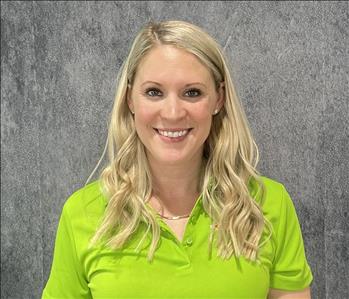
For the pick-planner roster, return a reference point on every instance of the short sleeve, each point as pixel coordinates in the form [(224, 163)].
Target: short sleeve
[(66, 279), (290, 269)]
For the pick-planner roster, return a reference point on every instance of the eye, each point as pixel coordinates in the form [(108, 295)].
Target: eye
[(153, 92), (198, 92), (147, 92)]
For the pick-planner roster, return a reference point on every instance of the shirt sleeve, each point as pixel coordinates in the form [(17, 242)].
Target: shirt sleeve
[(67, 279), (290, 269)]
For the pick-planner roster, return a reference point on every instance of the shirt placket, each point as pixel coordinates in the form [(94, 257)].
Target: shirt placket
[(186, 245)]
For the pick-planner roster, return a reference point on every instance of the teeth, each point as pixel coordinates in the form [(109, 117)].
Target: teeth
[(173, 134)]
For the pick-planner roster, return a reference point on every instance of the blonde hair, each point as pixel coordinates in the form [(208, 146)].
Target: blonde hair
[(229, 160)]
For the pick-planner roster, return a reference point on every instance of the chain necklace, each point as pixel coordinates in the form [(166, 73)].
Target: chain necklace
[(173, 217)]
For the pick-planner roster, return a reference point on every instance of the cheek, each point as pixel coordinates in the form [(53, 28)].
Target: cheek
[(203, 119), (202, 114), (144, 117)]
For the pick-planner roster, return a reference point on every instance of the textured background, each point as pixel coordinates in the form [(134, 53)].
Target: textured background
[(59, 62)]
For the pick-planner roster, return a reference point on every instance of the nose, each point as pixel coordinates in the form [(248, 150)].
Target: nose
[(172, 108)]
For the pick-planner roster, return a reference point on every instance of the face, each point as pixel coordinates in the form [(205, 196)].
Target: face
[(172, 92)]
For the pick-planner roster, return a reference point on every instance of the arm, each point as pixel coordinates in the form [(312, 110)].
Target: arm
[(67, 278), (290, 275), (279, 294)]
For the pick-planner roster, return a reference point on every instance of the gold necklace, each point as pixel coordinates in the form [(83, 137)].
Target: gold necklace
[(173, 217)]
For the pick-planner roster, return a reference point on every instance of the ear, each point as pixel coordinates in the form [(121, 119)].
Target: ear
[(128, 98), (221, 96)]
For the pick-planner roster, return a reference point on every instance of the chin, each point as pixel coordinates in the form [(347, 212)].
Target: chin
[(170, 160)]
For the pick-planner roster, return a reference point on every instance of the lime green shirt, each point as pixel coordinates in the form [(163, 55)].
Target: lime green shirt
[(180, 269)]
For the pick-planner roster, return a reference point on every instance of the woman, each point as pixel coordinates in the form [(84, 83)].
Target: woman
[(180, 211)]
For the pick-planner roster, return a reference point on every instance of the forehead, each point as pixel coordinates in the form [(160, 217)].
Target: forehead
[(166, 62)]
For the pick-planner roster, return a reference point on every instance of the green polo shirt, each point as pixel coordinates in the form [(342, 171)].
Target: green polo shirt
[(180, 269)]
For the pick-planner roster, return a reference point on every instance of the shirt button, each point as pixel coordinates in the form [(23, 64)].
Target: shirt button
[(189, 241)]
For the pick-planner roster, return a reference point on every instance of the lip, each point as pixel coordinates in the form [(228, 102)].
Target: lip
[(172, 139), (172, 129)]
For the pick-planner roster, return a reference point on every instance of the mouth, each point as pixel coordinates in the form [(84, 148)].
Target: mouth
[(173, 134)]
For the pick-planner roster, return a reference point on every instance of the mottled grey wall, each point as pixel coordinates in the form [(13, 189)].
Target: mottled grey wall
[(59, 62)]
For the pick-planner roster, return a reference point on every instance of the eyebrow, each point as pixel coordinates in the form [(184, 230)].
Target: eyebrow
[(184, 85)]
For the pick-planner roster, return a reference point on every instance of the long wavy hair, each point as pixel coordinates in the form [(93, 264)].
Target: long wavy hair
[(230, 158)]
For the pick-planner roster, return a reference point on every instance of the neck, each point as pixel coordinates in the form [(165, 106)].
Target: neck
[(175, 187)]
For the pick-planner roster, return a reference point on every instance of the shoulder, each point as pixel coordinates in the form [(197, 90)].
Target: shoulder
[(273, 186), (87, 201), (81, 214), (275, 198)]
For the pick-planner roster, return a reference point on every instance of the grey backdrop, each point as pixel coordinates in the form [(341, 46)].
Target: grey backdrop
[(59, 62)]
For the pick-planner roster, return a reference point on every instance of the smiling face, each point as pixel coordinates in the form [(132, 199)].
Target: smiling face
[(173, 91)]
